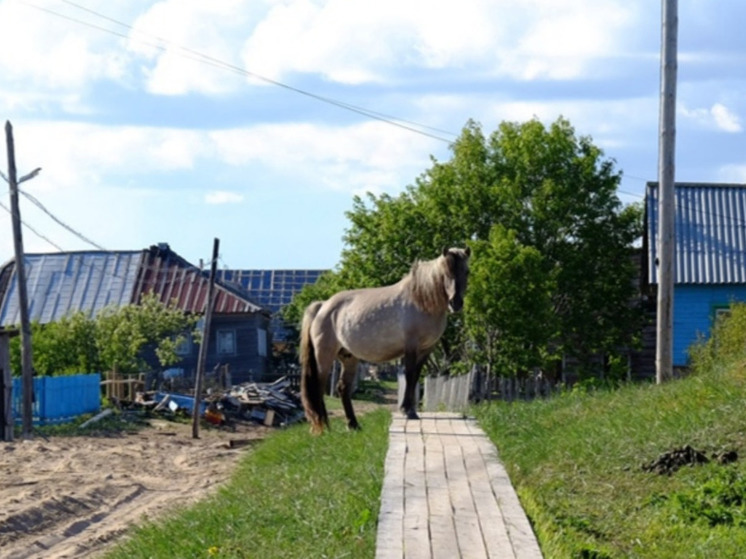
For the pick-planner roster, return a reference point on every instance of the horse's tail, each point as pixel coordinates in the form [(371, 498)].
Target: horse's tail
[(312, 393)]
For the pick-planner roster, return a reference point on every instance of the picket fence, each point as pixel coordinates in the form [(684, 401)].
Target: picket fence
[(59, 399), (455, 393)]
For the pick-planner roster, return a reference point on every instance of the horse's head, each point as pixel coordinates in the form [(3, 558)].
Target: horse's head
[(456, 276)]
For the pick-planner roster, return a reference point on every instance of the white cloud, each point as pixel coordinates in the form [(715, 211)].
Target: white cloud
[(725, 119), (356, 41), (75, 153), (54, 53), (217, 197), (717, 117), (371, 156), (197, 39)]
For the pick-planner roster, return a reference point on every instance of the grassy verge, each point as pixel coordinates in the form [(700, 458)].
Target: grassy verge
[(293, 496), (576, 462)]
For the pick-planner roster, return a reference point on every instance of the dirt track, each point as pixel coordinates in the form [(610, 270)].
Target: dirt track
[(73, 496)]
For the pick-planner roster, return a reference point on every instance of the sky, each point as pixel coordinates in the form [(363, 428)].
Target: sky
[(257, 121)]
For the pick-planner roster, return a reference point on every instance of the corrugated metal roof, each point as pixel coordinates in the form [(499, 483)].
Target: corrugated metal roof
[(175, 280), (272, 289), (62, 283), (710, 232)]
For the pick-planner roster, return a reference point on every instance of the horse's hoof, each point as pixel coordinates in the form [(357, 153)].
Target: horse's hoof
[(353, 426), (411, 414)]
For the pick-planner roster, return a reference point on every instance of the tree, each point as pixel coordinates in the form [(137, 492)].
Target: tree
[(64, 347), (123, 334), (509, 316), (117, 337), (538, 203)]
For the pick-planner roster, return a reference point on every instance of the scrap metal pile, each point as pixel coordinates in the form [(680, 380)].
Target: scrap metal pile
[(274, 404)]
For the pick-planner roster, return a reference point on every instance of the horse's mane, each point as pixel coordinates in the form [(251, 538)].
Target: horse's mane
[(426, 285)]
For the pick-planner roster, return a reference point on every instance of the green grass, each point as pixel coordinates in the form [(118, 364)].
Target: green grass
[(294, 495), (575, 461)]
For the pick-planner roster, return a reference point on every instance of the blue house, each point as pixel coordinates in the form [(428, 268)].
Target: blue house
[(709, 260)]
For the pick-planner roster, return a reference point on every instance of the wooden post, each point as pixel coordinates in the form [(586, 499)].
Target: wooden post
[(205, 341), (666, 193), (6, 387), (26, 369)]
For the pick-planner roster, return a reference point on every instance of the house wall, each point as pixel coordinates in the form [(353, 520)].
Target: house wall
[(247, 363), (694, 312)]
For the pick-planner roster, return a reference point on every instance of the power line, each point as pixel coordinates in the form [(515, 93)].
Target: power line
[(197, 56), (75, 232), (34, 231)]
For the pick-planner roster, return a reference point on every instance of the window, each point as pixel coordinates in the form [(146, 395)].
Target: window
[(226, 342), (719, 312), (184, 347), (261, 335)]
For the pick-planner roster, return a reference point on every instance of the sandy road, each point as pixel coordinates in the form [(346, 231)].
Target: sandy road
[(66, 497)]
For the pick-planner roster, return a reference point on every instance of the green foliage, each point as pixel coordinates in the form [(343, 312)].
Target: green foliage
[(117, 337), (539, 206), (65, 347), (509, 308), (725, 346), (122, 333), (576, 463), (721, 499)]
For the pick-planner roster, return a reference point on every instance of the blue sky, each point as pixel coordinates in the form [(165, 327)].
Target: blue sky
[(156, 121)]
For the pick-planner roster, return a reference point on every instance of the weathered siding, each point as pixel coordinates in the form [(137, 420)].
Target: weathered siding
[(246, 363), (694, 311)]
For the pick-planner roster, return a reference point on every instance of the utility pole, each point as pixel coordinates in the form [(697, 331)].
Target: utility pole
[(205, 341), (15, 213), (666, 192)]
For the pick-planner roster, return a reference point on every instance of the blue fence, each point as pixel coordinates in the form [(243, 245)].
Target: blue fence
[(59, 399)]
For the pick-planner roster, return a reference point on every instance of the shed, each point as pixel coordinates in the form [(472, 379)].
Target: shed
[(709, 259), (66, 282)]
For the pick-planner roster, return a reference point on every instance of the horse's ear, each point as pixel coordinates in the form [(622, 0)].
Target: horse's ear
[(467, 252), (444, 252)]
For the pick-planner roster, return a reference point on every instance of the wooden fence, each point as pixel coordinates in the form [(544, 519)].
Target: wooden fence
[(455, 393)]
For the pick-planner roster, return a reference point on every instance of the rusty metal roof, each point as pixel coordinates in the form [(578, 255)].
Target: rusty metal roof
[(710, 233), (177, 281)]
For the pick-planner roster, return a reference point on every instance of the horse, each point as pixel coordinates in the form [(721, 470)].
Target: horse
[(379, 324)]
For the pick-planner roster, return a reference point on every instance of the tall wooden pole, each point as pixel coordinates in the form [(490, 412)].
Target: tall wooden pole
[(15, 213), (666, 192), (205, 341)]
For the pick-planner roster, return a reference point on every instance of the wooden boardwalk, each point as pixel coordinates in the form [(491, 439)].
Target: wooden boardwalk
[(446, 495)]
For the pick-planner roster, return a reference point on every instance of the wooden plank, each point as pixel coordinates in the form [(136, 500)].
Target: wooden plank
[(442, 529), (390, 534), (468, 531), (445, 494), (519, 529), (416, 532), (491, 521)]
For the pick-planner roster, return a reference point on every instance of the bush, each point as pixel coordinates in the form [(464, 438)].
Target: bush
[(726, 344)]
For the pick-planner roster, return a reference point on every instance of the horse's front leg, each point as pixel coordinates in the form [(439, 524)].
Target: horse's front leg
[(412, 368), (344, 386)]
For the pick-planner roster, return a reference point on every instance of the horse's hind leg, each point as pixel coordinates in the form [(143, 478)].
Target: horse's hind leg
[(344, 386)]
